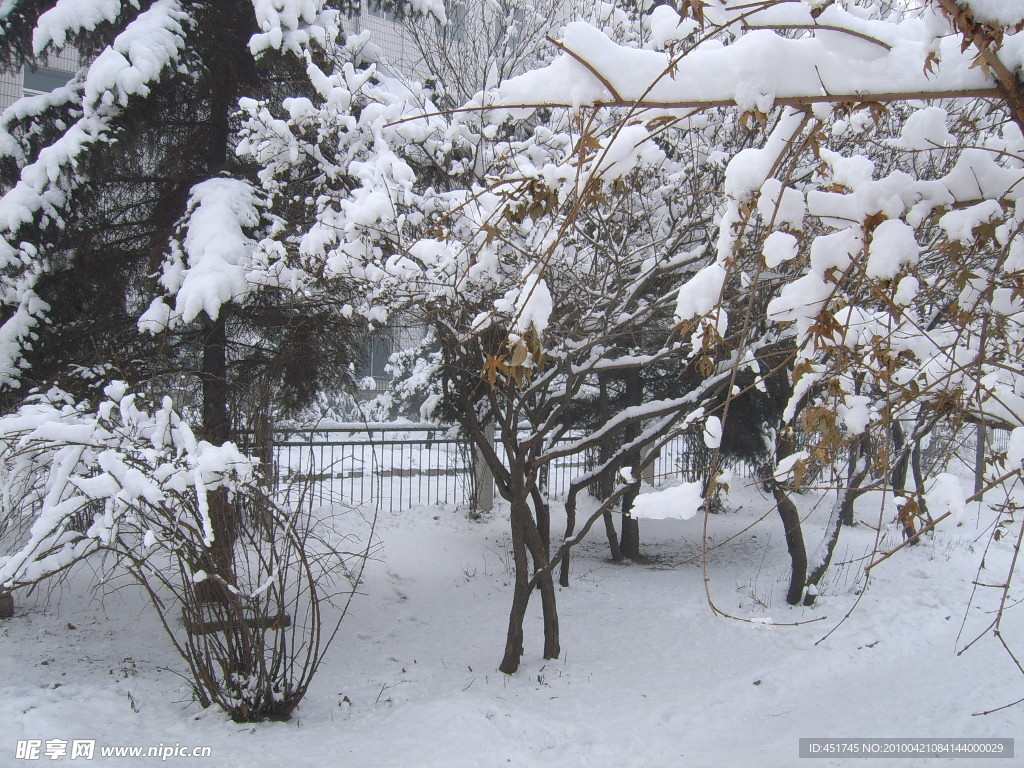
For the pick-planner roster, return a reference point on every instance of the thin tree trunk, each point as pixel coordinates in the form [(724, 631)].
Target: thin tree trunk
[(794, 542), (552, 632), (543, 514), (899, 470), (791, 524), (842, 510), (520, 594), (548, 596), (910, 509), (915, 466), (216, 426), (530, 542), (979, 458), (538, 542), (570, 528), (613, 538), (629, 542)]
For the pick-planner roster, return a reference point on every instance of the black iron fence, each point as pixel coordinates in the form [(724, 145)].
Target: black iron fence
[(393, 465), (408, 465), (399, 465)]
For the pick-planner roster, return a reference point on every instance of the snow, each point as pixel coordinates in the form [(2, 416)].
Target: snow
[(628, 147), (946, 493), (786, 468), (137, 58), (893, 246), (750, 169), (754, 71), (666, 25), (411, 680), (534, 305), (713, 432), (214, 267), (906, 290), (1003, 12), (779, 247), (784, 206), (855, 412), (70, 17), (925, 129), (960, 225), (701, 293), (139, 55), (679, 502), (291, 25)]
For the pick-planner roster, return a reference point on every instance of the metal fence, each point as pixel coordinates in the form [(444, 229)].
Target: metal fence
[(408, 465), (399, 466), (394, 465)]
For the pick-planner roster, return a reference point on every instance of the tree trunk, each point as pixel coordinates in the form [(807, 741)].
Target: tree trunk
[(909, 511), (899, 470), (979, 459), (570, 528), (538, 542), (613, 538), (790, 515), (520, 593), (629, 542), (915, 465), (216, 430), (794, 542), (543, 516), (842, 511), (528, 544), (216, 426)]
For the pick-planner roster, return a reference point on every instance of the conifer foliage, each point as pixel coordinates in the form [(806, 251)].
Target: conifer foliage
[(140, 250), (125, 201)]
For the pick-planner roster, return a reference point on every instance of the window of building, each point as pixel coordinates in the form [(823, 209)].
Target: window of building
[(457, 12), (374, 355), (382, 9), (43, 79)]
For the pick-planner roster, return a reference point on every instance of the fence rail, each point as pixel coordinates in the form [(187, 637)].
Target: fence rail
[(398, 466), (408, 465), (394, 466)]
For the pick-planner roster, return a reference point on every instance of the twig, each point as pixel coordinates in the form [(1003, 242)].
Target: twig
[(909, 541)]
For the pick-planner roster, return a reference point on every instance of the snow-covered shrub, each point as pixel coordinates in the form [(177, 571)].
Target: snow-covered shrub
[(241, 600)]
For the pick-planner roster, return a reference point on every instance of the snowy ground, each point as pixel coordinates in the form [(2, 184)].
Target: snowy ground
[(648, 675)]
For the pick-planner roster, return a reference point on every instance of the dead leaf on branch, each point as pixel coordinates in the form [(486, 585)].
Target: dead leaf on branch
[(909, 512), (493, 366), (821, 420), (524, 356), (706, 366), (753, 118), (693, 8), (801, 369), (871, 222)]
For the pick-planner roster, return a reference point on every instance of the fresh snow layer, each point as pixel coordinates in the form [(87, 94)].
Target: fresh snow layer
[(680, 502), (753, 72), (648, 674)]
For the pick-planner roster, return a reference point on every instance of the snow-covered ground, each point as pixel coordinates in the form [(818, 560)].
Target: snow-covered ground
[(649, 676)]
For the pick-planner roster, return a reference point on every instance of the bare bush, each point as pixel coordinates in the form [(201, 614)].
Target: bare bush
[(252, 620)]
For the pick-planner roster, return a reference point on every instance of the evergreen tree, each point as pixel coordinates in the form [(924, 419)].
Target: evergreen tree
[(125, 200)]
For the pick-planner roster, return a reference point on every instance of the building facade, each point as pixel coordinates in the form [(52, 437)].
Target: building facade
[(387, 33)]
